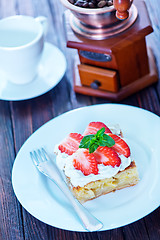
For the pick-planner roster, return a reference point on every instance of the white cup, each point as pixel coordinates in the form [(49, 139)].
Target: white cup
[(21, 47)]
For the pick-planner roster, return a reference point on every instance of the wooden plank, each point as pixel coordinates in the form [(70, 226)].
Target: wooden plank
[(42, 8), (153, 39), (7, 8), (11, 226), (115, 234), (57, 9), (63, 234), (152, 223), (136, 230), (22, 129), (25, 8)]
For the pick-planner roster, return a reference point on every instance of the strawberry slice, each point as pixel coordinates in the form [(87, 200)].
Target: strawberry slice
[(107, 156), (120, 146), (71, 143), (85, 162), (93, 127)]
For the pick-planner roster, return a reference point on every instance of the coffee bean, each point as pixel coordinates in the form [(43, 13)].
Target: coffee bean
[(79, 3), (109, 3), (72, 1), (85, 4), (102, 4), (92, 3)]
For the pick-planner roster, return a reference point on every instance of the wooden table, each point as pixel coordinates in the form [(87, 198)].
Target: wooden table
[(19, 119)]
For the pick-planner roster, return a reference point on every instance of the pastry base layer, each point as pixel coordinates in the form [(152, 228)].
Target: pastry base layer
[(126, 178)]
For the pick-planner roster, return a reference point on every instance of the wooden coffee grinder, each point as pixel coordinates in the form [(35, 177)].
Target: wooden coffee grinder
[(113, 60)]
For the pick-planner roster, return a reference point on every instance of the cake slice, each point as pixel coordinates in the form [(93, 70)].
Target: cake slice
[(97, 162), (126, 178)]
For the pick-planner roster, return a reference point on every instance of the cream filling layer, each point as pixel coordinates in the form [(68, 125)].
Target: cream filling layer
[(77, 178)]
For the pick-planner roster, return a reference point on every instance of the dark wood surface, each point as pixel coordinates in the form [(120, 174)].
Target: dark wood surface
[(18, 120)]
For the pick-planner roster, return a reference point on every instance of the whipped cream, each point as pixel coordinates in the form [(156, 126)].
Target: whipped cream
[(115, 129), (77, 178)]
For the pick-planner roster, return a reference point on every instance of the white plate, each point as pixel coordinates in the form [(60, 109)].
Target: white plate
[(41, 198), (51, 70)]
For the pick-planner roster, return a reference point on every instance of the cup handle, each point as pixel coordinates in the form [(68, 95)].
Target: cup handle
[(44, 22)]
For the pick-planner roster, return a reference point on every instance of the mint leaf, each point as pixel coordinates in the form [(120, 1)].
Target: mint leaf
[(106, 140), (93, 147), (85, 142), (93, 141), (100, 132)]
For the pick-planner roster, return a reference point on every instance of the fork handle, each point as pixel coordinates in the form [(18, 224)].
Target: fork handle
[(89, 221)]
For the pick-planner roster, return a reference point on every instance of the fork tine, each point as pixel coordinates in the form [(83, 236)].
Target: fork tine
[(34, 158), (40, 155), (45, 155)]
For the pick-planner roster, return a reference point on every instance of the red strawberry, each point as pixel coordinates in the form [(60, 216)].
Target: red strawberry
[(93, 127), (85, 161), (107, 156), (71, 143), (120, 146)]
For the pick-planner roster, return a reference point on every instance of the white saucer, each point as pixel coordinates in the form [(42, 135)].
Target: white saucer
[(51, 70)]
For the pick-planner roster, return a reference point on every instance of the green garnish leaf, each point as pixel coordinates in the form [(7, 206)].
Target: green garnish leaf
[(106, 141), (93, 147), (93, 141), (100, 132), (85, 142)]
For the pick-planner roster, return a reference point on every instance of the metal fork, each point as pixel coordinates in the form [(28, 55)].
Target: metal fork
[(49, 168)]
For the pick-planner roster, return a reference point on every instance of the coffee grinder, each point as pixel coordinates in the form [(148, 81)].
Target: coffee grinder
[(113, 60)]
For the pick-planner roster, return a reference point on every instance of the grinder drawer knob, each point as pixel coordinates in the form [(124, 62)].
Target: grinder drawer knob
[(95, 84)]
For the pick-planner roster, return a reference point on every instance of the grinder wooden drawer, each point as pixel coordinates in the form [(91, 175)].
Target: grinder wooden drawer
[(98, 78)]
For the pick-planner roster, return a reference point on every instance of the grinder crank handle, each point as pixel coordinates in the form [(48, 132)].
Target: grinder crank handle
[(122, 7)]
